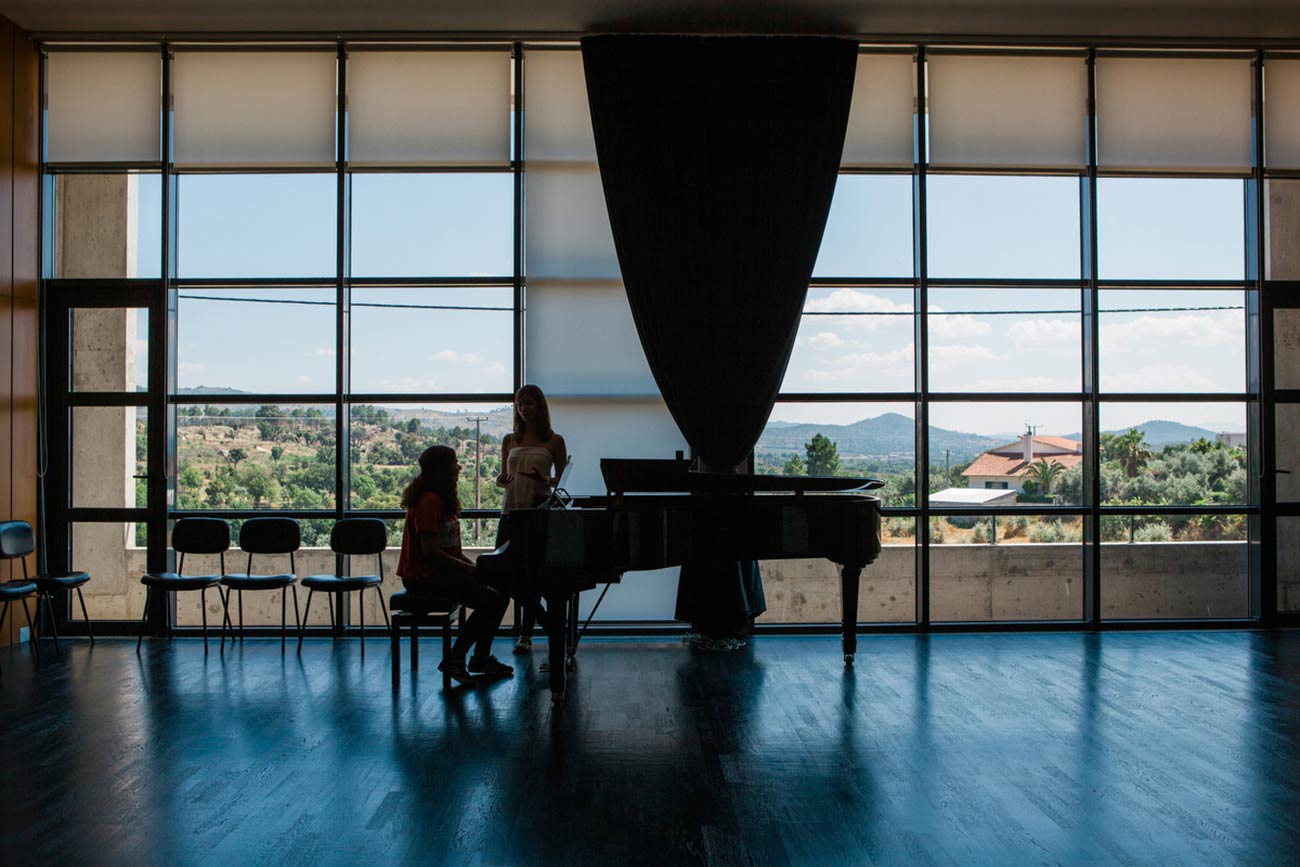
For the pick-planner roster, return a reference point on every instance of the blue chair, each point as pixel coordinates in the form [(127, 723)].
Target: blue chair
[(190, 536), (17, 541), (270, 535), (351, 537)]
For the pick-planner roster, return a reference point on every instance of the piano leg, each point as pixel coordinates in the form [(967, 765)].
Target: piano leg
[(849, 576), (557, 643)]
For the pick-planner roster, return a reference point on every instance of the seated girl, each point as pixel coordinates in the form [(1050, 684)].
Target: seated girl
[(433, 564)]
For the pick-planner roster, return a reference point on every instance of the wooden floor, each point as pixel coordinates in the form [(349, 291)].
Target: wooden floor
[(1124, 748)]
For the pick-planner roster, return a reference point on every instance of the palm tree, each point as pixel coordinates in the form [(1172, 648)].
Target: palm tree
[(1133, 452), (1045, 473)]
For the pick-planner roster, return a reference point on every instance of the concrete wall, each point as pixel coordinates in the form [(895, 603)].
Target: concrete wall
[(969, 583)]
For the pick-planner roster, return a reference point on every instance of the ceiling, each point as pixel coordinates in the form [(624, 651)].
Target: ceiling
[(1185, 20)]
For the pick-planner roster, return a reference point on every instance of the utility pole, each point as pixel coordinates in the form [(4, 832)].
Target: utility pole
[(478, 465)]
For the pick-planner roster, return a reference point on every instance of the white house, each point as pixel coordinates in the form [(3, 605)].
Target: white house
[(1007, 467)]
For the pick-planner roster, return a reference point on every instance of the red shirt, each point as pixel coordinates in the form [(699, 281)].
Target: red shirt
[(427, 516)]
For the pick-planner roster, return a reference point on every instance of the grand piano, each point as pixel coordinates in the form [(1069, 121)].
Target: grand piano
[(660, 513)]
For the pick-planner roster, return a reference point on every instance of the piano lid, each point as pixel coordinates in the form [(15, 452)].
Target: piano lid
[(646, 476)]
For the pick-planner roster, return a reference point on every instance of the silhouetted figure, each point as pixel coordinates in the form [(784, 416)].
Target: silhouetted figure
[(433, 564)]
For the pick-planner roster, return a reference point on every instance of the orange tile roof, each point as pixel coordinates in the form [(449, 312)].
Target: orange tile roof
[(1017, 447), (989, 464)]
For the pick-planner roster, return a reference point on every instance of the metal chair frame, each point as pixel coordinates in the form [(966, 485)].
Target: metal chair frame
[(341, 528), (203, 591)]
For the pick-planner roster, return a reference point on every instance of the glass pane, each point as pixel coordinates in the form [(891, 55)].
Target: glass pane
[(998, 568), (1007, 110), (977, 458), (556, 114), (284, 340), (1164, 341), (107, 225), (1170, 229), (115, 556), (438, 225), (1005, 340), (255, 457), (1174, 566), (853, 340), (869, 230), (1002, 226), (110, 450), (461, 340), (582, 340), (255, 108), (257, 225), (872, 440), (103, 106), (386, 442), (110, 349), (1173, 454)]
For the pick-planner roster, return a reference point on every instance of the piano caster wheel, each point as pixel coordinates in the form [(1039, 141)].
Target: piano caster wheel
[(848, 659)]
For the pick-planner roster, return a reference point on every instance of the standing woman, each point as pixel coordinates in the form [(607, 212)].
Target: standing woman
[(433, 564), (532, 459)]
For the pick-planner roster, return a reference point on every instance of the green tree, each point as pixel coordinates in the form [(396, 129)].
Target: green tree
[(1045, 473), (1132, 451), (277, 452), (236, 455), (795, 467), (260, 486), (823, 456)]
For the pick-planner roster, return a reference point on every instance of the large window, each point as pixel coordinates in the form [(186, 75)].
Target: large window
[(1033, 315)]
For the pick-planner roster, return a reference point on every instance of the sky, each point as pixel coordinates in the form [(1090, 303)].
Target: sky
[(460, 224)]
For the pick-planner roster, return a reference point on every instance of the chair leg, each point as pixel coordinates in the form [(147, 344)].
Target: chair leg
[(31, 630), (446, 649), (361, 611), (49, 609), (3, 615), (383, 607), (144, 618), (302, 627), (395, 657), (331, 598), (89, 630), (297, 619), (241, 617), (225, 618), (167, 613), (415, 646), (283, 611), (203, 606)]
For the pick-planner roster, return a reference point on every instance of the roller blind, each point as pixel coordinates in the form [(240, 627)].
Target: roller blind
[(557, 121), (1173, 114), (428, 107), (880, 121), (1282, 114), (104, 106), (254, 108), (1007, 111)]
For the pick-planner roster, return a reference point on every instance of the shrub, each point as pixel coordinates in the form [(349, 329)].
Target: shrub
[(1157, 532)]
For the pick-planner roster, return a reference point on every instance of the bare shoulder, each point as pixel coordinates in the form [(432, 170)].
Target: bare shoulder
[(508, 441)]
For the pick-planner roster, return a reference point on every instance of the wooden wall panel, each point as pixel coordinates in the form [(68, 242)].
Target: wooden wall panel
[(19, 313), (26, 162), (6, 156)]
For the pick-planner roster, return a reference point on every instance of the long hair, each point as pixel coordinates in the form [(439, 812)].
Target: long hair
[(436, 475), (541, 419)]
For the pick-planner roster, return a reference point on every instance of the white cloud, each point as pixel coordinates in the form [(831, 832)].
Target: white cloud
[(1026, 383), (959, 327), (190, 367), (1152, 377), (1160, 334), (495, 369), (855, 365), (410, 385), (457, 357), (1045, 334), (957, 355), (826, 340), (856, 301)]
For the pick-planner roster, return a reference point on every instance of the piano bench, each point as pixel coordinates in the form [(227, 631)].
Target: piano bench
[(414, 612)]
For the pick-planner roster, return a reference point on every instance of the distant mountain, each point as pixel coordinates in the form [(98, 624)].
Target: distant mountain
[(498, 421), (1159, 433), (885, 436), (200, 390)]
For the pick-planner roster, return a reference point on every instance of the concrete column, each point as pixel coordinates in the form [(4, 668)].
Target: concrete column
[(1282, 237), (96, 236)]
